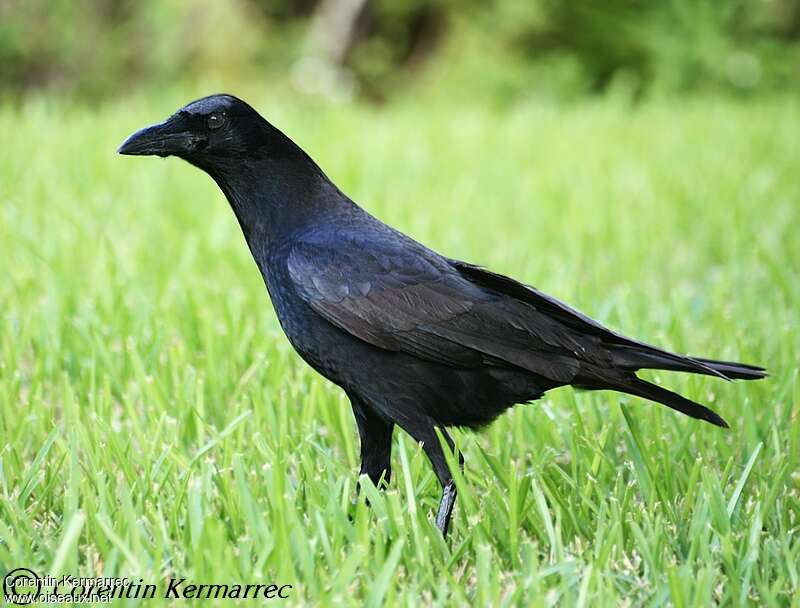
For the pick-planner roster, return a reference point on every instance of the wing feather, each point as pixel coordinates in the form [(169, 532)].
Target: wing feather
[(404, 299)]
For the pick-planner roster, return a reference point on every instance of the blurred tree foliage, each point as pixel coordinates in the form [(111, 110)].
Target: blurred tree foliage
[(97, 48), (678, 45)]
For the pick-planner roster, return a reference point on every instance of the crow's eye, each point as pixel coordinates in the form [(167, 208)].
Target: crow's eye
[(215, 121)]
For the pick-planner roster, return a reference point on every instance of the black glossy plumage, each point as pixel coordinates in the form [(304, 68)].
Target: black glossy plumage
[(414, 338)]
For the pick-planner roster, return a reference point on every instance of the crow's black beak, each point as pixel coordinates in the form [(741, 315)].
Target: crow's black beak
[(164, 139)]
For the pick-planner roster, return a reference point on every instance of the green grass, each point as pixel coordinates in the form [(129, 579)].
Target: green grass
[(154, 421)]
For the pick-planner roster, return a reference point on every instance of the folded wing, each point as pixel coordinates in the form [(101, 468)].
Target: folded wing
[(409, 299)]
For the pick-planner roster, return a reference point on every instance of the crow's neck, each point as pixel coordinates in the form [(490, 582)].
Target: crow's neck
[(274, 198)]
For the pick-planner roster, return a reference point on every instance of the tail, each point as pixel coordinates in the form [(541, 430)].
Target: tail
[(635, 358), (640, 388)]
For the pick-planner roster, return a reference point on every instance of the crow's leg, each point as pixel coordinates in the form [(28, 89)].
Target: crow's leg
[(433, 449), (446, 505), (376, 442)]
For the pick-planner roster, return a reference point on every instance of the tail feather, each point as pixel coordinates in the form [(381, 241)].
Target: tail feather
[(635, 358), (734, 370), (641, 388)]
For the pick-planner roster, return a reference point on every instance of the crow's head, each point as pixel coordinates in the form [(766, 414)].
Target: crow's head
[(207, 131)]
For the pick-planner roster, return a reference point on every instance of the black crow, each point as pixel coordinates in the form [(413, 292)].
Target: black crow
[(415, 339)]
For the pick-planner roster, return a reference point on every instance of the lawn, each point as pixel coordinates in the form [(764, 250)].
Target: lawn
[(155, 423)]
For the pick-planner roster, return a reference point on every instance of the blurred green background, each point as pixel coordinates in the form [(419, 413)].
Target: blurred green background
[(377, 50)]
